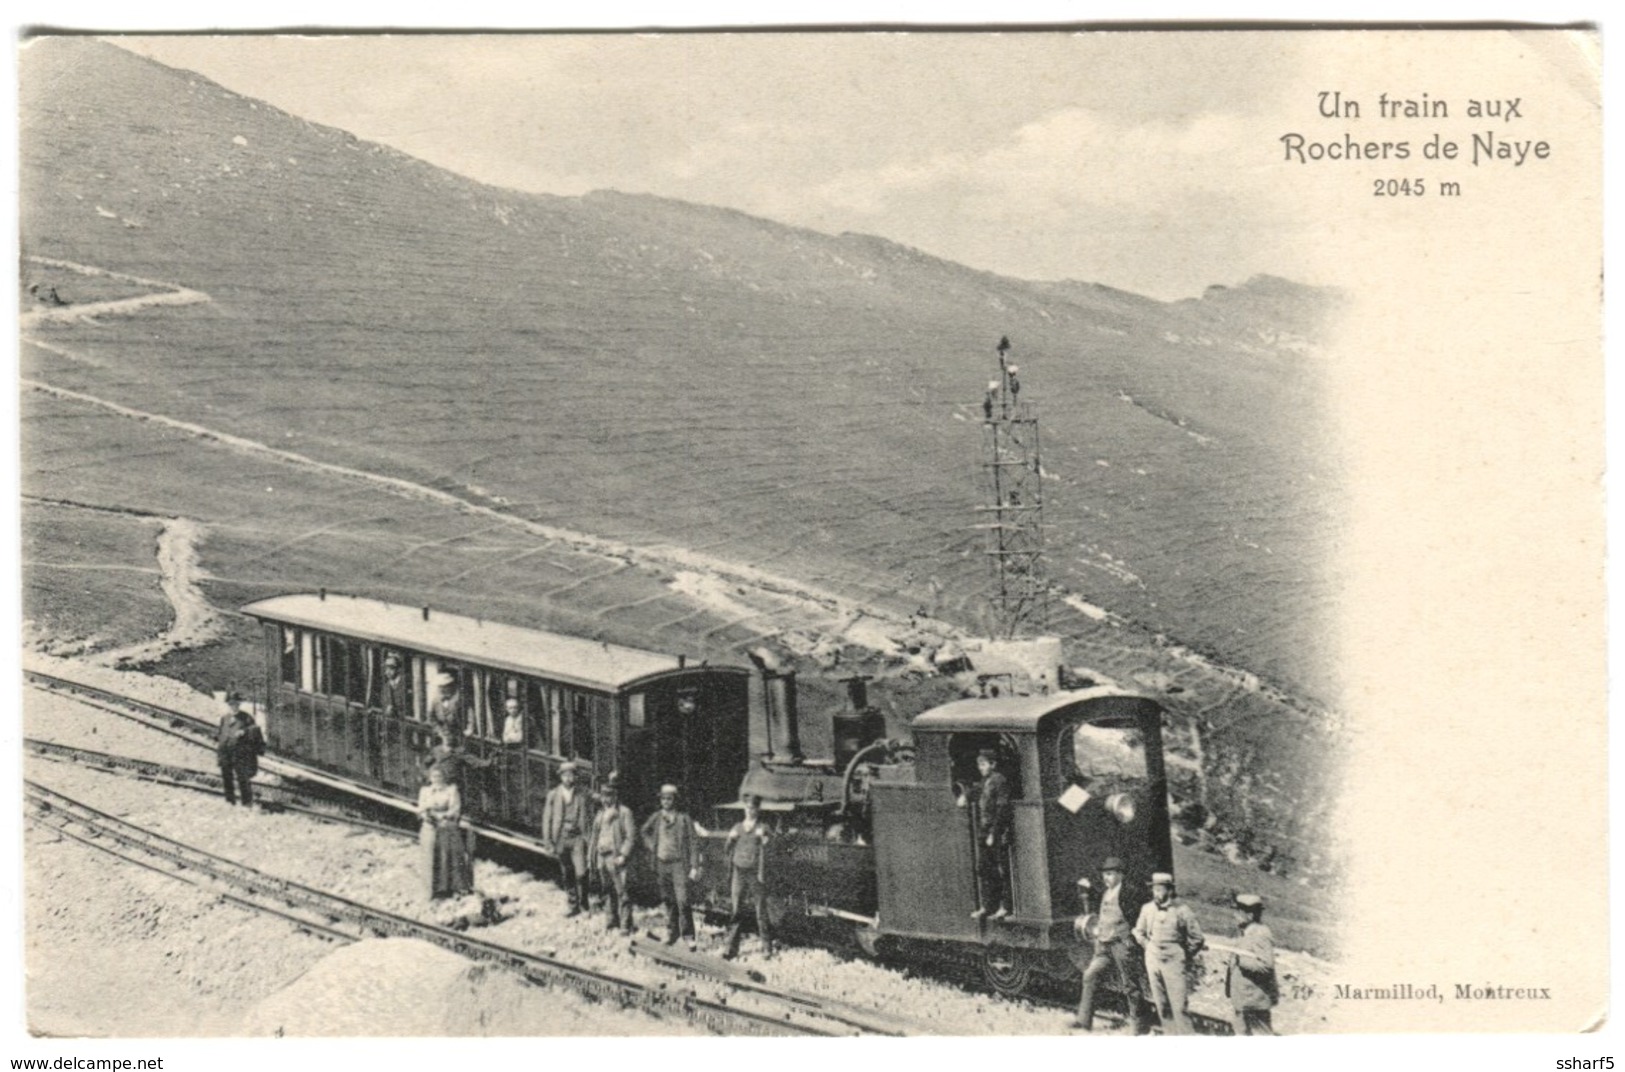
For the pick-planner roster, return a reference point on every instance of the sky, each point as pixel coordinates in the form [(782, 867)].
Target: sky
[(1141, 160)]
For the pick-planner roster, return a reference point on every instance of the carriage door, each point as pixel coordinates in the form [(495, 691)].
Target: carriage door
[(665, 742)]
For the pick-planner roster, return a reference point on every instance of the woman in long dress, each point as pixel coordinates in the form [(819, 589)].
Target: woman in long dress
[(445, 854)]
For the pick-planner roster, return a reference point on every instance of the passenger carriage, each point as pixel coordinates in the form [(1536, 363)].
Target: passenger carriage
[(655, 718)]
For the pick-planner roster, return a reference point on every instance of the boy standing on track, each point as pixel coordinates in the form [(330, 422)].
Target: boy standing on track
[(746, 853), (239, 746)]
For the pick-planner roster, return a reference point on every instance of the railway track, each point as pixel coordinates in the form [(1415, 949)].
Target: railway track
[(186, 727), (341, 919), (850, 1019), (278, 797)]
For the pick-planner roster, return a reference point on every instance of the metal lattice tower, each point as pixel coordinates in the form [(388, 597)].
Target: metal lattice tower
[(1015, 509)]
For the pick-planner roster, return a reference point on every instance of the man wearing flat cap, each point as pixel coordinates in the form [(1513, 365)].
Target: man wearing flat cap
[(1249, 974), (994, 823), (239, 744), (1172, 940), (672, 841), (566, 821), (614, 836), (1114, 945)]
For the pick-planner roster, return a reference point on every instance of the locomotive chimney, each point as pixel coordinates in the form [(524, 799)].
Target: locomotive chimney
[(858, 728), (783, 685), (779, 703)]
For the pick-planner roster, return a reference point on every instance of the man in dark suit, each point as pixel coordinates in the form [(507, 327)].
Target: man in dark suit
[(994, 823), (239, 744), (1109, 928)]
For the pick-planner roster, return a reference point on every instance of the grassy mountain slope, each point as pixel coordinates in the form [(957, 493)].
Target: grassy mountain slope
[(667, 373)]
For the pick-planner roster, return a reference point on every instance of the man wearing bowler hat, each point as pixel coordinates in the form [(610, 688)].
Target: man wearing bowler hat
[(566, 821), (1109, 927), (672, 841), (1249, 974), (1172, 939)]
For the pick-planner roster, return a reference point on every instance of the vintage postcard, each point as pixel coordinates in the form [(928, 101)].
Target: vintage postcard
[(812, 533)]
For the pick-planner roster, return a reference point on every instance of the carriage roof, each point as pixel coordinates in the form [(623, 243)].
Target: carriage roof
[(1015, 714), (572, 660)]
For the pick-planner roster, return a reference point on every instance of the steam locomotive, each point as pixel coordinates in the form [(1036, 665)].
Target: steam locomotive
[(874, 844)]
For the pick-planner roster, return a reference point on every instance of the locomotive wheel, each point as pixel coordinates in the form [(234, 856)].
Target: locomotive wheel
[(1007, 971)]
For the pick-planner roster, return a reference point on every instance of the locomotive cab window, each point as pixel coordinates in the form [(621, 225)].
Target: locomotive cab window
[(1108, 760)]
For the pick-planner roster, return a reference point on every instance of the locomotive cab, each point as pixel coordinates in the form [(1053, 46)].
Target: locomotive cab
[(1086, 780)]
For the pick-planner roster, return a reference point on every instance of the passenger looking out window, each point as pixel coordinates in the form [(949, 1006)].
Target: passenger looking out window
[(395, 691)]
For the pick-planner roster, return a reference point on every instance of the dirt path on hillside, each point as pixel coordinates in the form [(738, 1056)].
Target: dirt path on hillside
[(196, 621), (736, 592), (168, 294)]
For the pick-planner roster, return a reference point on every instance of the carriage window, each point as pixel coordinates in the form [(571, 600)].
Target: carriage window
[(559, 732), (356, 657), (394, 694), (340, 663), (493, 689), (635, 715), (290, 655), (581, 728), (533, 701), (310, 654)]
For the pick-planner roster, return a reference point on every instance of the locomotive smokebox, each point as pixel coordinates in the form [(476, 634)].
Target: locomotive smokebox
[(859, 727)]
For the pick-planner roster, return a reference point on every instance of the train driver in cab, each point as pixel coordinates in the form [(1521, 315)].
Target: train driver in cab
[(994, 823)]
